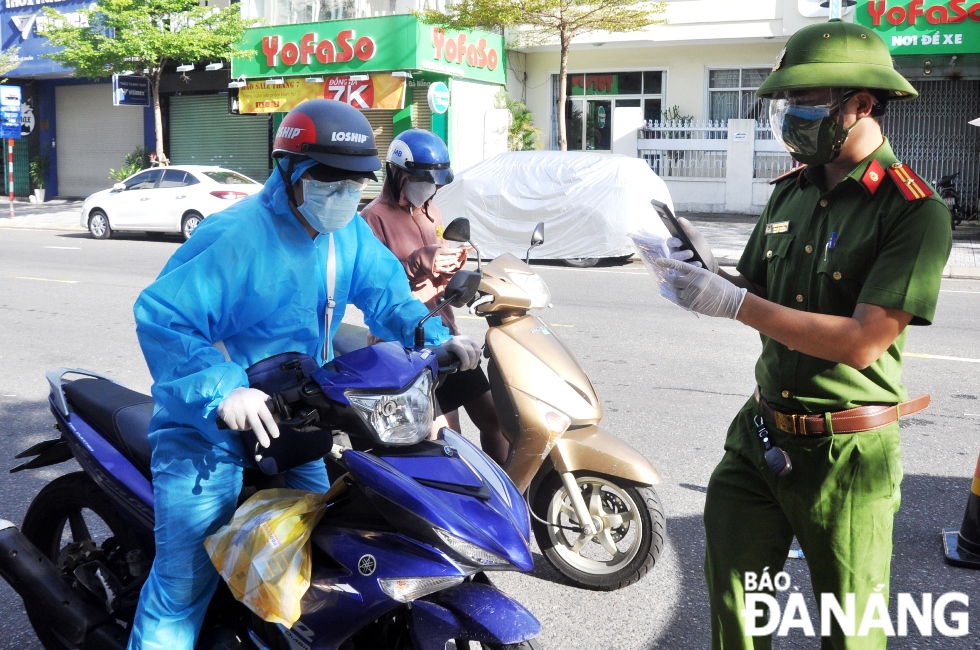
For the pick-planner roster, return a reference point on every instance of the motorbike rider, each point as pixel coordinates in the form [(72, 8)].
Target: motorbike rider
[(271, 274), (406, 220), (848, 252)]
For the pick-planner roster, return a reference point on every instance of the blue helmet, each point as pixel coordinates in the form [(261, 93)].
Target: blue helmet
[(422, 154)]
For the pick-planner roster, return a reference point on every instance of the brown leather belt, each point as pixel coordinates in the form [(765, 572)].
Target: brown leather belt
[(863, 418)]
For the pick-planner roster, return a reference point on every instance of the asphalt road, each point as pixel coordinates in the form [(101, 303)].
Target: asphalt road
[(670, 383)]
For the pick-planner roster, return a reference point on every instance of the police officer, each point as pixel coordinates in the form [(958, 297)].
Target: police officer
[(848, 252)]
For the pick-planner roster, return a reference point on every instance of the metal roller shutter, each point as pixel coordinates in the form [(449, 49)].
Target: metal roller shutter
[(93, 136), (203, 132), (421, 113), (382, 123)]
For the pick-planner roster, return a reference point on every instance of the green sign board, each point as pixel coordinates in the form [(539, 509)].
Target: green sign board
[(923, 26), (343, 47)]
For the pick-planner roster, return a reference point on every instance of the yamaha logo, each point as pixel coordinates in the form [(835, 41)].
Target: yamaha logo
[(367, 565), (347, 136), (288, 132)]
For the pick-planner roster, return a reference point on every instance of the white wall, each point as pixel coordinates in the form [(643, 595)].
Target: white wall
[(468, 105)]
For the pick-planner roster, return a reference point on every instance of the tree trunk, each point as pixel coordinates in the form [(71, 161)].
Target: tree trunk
[(563, 90), (158, 116)]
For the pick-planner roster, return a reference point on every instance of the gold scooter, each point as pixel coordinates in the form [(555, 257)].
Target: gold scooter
[(594, 511)]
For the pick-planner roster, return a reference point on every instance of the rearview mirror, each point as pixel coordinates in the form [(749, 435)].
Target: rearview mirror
[(119, 187), (537, 238), (462, 287), (458, 230)]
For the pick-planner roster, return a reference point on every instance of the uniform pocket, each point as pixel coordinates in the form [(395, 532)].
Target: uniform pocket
[(778, 248), (867, 465), (841, 279)]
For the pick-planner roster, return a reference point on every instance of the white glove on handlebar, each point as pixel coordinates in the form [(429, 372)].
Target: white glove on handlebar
[(701, 291), (466, 349), (678, 252), (245, 409)]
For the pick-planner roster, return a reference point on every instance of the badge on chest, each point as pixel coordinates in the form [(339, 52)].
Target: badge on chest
[(777, 228)]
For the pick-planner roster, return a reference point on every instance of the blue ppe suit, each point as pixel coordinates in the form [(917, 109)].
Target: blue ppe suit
[(252, 278)]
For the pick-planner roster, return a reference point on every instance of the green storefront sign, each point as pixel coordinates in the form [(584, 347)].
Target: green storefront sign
[(364, 45), (924, 26)]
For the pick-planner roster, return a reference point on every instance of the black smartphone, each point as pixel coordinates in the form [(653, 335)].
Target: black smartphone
[(675, 230)]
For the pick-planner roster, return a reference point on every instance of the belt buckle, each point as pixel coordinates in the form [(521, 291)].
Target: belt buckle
[(791, 423)]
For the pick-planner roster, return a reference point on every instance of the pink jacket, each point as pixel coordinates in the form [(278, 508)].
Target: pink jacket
[(414, 238)]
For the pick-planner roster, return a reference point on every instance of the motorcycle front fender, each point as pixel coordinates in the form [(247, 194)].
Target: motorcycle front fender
[(590, 449), (472, 611)]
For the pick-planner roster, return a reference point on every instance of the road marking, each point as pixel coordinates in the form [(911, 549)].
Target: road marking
[(16, 396), (973, 415), (956, 291), (65, 248), (941, 357), (21, 277)]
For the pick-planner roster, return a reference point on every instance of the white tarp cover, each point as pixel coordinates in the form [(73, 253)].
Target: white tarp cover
[(587, 201)]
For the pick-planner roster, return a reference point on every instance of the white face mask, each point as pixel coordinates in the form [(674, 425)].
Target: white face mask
[(328, 207), (418, 192)]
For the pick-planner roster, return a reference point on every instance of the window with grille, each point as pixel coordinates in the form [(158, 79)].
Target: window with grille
[(731, 94)]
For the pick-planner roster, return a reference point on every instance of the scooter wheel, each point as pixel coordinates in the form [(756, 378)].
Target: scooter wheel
[(72, 508), (630, 522)]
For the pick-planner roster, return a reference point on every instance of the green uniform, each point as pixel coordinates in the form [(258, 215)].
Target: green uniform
[(892, 241)]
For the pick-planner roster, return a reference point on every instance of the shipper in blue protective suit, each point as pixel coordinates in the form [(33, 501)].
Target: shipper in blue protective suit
[(252, 278)]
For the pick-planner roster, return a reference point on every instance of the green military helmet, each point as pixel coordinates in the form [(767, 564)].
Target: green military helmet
[(836, 55)]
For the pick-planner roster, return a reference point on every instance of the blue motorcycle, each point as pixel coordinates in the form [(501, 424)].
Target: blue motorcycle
[(399, 560)]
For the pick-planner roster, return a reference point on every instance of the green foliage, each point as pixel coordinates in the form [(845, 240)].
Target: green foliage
[(673, 114), (136, 161), (39, 168), (9, 59), (542, 20), (138, 35), (522, 136)]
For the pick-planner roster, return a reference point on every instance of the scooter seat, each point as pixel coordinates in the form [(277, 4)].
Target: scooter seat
[(121, 415)]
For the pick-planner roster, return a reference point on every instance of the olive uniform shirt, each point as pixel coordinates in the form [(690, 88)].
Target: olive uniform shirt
[(893, 238)]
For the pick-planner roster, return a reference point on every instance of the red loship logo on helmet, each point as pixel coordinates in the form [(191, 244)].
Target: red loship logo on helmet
[(294, 131)]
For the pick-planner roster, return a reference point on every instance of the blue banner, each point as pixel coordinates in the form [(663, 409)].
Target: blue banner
[(130, 90), (18, 28), (10, 118)]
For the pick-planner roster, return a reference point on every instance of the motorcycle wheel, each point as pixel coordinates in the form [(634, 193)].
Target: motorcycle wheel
[(533, 644), (628, 544), (68, 510)]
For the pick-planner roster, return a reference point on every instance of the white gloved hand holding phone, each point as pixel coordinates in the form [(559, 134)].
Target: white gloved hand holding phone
[(246, 408), (701, 291), (466, 350), (678, 252)]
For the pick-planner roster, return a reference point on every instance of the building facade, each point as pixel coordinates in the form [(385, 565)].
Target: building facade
[(689, 81)]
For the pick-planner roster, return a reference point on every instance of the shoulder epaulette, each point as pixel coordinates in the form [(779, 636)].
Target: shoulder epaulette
[(796, 171), (909, 184)]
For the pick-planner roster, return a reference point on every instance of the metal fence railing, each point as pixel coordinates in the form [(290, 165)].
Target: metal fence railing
[(685, 149)]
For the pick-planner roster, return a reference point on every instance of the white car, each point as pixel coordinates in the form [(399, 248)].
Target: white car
[(165, 199)]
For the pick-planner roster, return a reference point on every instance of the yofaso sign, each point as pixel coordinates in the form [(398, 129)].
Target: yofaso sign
[(924, 26), (366, 45)]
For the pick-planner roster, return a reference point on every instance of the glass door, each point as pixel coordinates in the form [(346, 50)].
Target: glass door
[(598, 127)]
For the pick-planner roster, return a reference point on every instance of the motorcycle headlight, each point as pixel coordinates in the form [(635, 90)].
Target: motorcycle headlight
[(535, 287), (401, 419), (471, 552), (405, 590)]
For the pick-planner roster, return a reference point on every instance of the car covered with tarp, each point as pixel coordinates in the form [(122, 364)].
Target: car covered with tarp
[(588, 202)]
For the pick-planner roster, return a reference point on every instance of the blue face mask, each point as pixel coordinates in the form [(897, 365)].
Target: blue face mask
[(328, 207)]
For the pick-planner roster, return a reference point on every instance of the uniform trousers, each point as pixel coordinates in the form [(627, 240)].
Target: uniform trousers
[(839, 501), (195, 492)]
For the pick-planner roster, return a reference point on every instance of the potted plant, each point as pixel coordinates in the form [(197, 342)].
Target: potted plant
[(39, 173)]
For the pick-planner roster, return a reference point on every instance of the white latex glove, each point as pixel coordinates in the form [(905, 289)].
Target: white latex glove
[(678, 252), (245, 409), (701, 291), (466, 349)]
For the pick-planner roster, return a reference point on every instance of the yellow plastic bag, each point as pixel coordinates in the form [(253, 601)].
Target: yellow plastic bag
[(264, 552)]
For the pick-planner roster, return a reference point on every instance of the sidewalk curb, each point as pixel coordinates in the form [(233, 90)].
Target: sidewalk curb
[(961, 273)]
